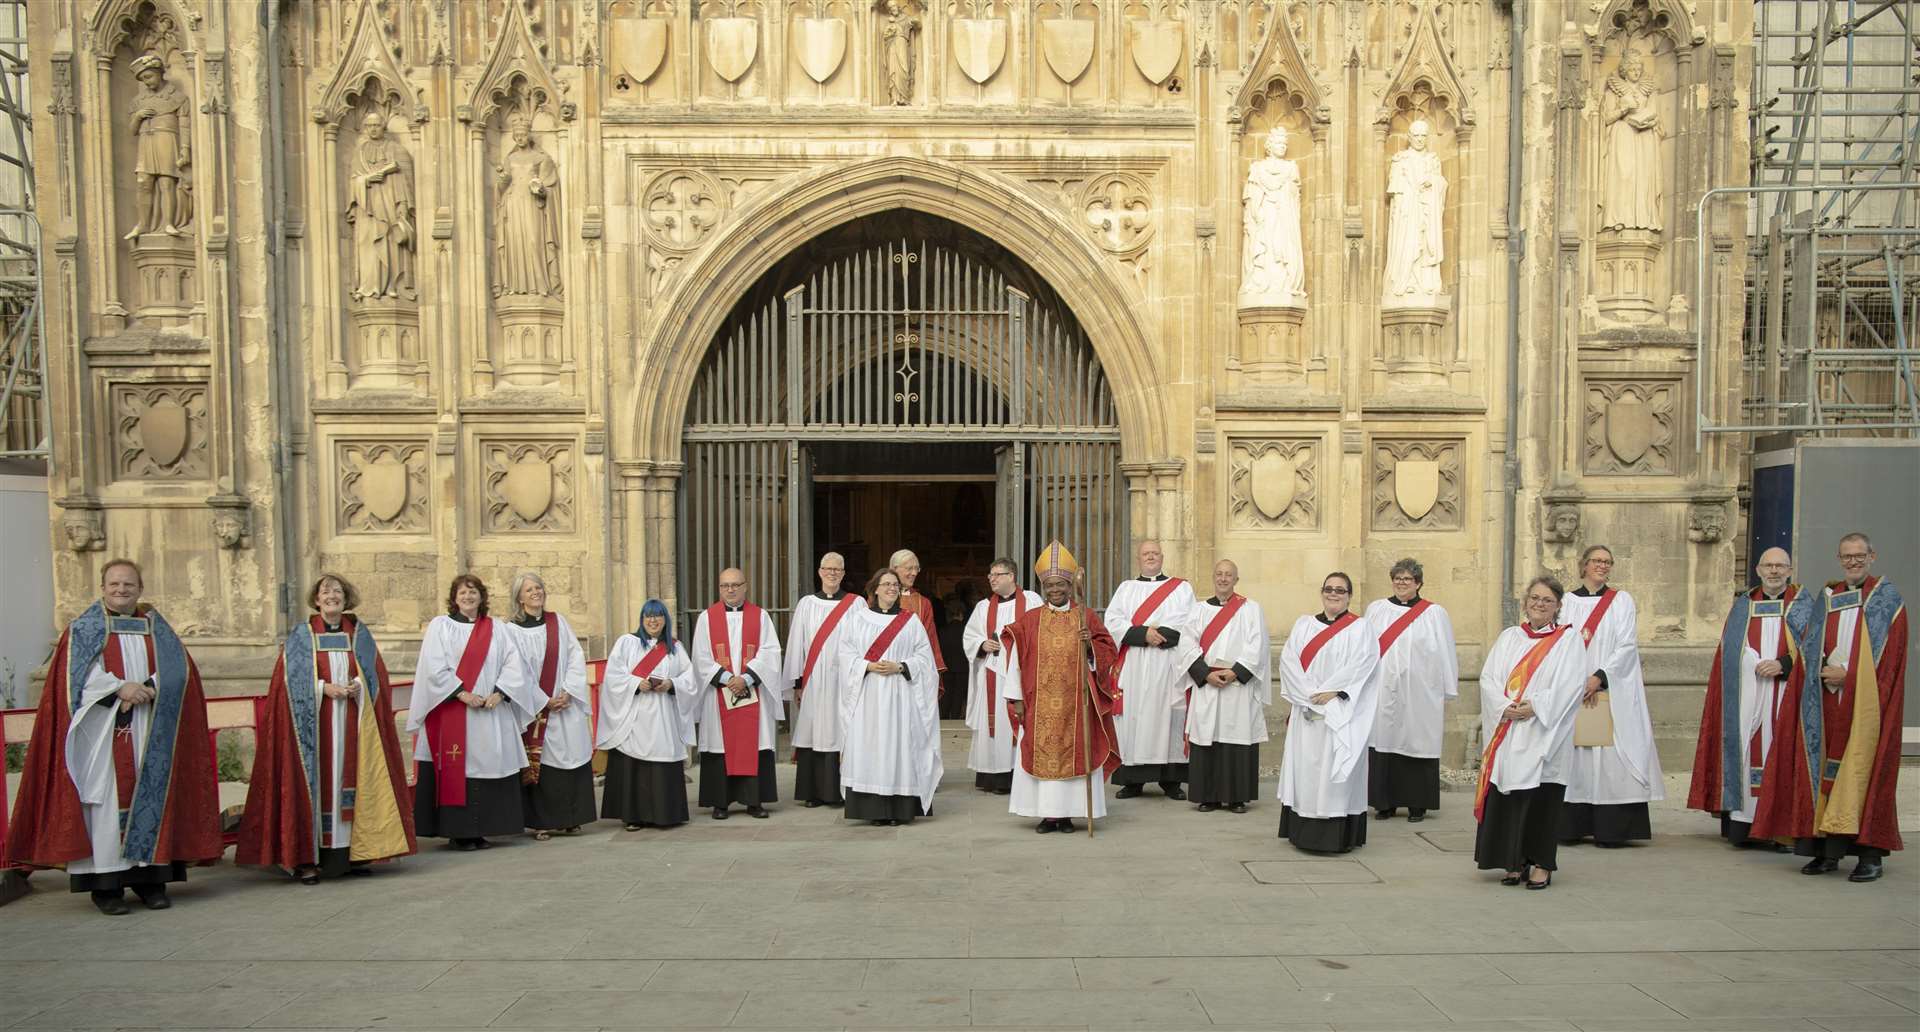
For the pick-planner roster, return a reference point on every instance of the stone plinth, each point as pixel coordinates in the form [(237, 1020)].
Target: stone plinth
[(530, 338), (1624, 272), (386, 343), (1272, 349), (1414, 346), (163, 265)]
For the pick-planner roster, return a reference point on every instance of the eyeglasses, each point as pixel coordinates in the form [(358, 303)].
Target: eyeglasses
[(1336, 591), (1855, 559), (1542, 600), (1597, 561)]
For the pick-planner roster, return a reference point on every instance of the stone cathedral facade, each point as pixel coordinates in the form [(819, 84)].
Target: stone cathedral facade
[(402, 288)]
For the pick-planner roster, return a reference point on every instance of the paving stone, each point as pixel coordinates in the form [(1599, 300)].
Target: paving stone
[(971, 973), (567, 1009), (1251, 1006), (585, 975), (1350, 970), (1474, 1004), (205, 1009), (1181, 973), (1772, 999), (783, 1008), (720, 976), (1803, 965), (417, 1009), (1563, 968), (1101, 1008)]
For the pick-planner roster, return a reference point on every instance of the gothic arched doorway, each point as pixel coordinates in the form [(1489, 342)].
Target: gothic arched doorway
[(898, 381)]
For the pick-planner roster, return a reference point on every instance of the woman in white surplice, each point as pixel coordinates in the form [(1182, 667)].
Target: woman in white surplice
[(1615, 770), (890, 711), (1327, 676), (646, 709), (558, 781)]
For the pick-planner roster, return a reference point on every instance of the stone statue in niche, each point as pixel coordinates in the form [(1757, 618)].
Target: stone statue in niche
[(526, 241), (1630, 125), (1273, 271), (1417, 200), (897, 34), (162, 152), (380, 208)]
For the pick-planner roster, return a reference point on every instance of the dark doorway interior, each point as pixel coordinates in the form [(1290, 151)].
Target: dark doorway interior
[(870, 499)]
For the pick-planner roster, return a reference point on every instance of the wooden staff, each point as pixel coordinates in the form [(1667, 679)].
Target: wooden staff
[(1086, 733)]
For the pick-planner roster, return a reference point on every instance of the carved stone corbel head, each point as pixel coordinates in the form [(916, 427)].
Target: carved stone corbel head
[(84, 530), (1563, 523), (1706, 522)]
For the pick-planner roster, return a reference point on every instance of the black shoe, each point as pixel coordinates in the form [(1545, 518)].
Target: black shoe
[(112, 904), (1208, 807), (153, 897), (1571, 841), (758, 813), (1415, 816), (1237, 808), (1174, 791), (464, 845), (1866, 871), (719, 813), (1531, 884), (362, 869), (893, 822), (1820, 865), (879, 823), (811, 803), (1045, 826), (1066, 825), (481, 843), (308, 875), (1381, 815), (1512, 878), (1127, 792)]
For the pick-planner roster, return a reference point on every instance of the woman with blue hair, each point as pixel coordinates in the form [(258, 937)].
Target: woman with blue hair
[(645, 700)]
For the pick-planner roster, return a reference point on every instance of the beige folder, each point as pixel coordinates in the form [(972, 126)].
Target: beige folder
[(1594, 726)]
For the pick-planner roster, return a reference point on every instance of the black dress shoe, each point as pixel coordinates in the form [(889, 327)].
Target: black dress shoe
[(1381, 815), (1237, 808), (1208, 807), (1127, 792), (112, 904), (1866, 871), (1045, 826), (1820, 865), (1609, 845), (1531, 884), (308, 875), (811, 803), (464, 845), (1174, 791), (758, 813), (153, 897), (361, 870), (1066, 825), (879, 823), (481, 843), (719, 813), (1415, 816)]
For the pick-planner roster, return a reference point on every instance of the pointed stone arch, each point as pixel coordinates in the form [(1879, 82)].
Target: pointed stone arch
[(1427, 80), (1279, 69), (518, 65), (1668, 18), (114, 20), (368, 73)]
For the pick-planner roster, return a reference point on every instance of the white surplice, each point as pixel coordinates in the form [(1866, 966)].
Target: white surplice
[(569, 738), (90, 753), (651, 726), (1236, 714), (764, 674), (816, 721), (992, 749), (1628, 771), (1322, 773), (333, 667), (1760, 698), (1031, 796), (1153, 712), (1536, 750), (891, 722), (494, 747), (1419, 672)]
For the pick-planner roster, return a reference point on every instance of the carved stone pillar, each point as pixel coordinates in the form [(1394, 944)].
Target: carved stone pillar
[(1415, 346), (531, 346), (1624, 261), (1140, 508), (163, 266), (1272, 349), (386, 343)]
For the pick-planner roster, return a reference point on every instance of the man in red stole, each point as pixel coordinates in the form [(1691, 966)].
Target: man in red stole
[(120, 789), (736, 662), (1830, 780), (1750, 672), (1057, 671)]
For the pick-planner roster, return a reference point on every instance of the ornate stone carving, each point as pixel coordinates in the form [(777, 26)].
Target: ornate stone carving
[(231, 527), (84, 530), (1416, 237), (820, 45), (1706, 522), (1118, 207), (733, 42), (680, 207), (1272, 348), (899, 35), (529, 487), (160, 431), (1630, 128), (162, 152), (1562, 525), (1274, 484), (979, 42), (1273, 268), (517, 76), (1417, 485), (1630, 427), (1067, 45), (1156, 45), (638, 51), (382, 487), (368, 76), (526, 227), (380, 208)]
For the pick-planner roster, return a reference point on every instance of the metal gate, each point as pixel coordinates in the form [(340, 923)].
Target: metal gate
[(905, 342)]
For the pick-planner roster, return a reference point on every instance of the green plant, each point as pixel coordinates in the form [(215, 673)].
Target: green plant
[(16, 757), (232, 767)]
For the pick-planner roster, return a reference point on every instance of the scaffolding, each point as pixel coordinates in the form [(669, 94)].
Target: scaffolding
[(1833, 233), (23, 371)]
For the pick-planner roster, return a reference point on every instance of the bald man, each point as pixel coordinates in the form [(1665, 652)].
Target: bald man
[(1750, 671), (736, 662), (813, 647)]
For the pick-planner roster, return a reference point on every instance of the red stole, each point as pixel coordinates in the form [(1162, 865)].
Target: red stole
[(739, 725), (1140, 613), (350, 754), (651, 661), (447, 724), (1326, 635), (820, 636), (1208, 635), (126, 770), (1517, 684), (885, 641), (993, 634), (1399, 627), (536, 733), (1599, 612)]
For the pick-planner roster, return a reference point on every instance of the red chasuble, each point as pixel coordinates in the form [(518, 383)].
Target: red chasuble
[(50, 829), (739, 722), (277, 827), (447, 724), (1053, 674)]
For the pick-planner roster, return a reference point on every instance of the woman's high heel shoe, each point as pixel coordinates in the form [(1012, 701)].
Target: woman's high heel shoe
[(1531, 884)]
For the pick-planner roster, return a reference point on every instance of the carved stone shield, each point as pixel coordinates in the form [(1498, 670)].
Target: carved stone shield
[(383, 487), (1068, 46), (528, 488), (732, 44), (1273, 482), (163, 431), (979, 45), (1156, 44), (822, 45), (639, 47), (1629, 428), (1416, 486)]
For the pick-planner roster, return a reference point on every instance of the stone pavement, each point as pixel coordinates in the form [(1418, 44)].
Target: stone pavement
[(1169, 919)]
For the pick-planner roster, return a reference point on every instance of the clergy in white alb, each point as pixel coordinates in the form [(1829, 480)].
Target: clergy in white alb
[(990, 756), (646, 709), (558, 781), (1229, 670), (814, 641), (1145, 616), (1529, 690), (889, 710), (1327, 676), (1419, 672), (472, 699), (740, 680), (1615, 771)]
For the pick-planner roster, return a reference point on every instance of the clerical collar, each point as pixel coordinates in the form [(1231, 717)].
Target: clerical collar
[(1150, 580), (530, 620), (332, 628), (835, 597), (135, 611), (1771, 596), (1584, 593), (1060, 609), (1408, 604), (1006, 598), (458, 618), (1533, 632), (1323, 618), (734, 609), (889, 610)]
